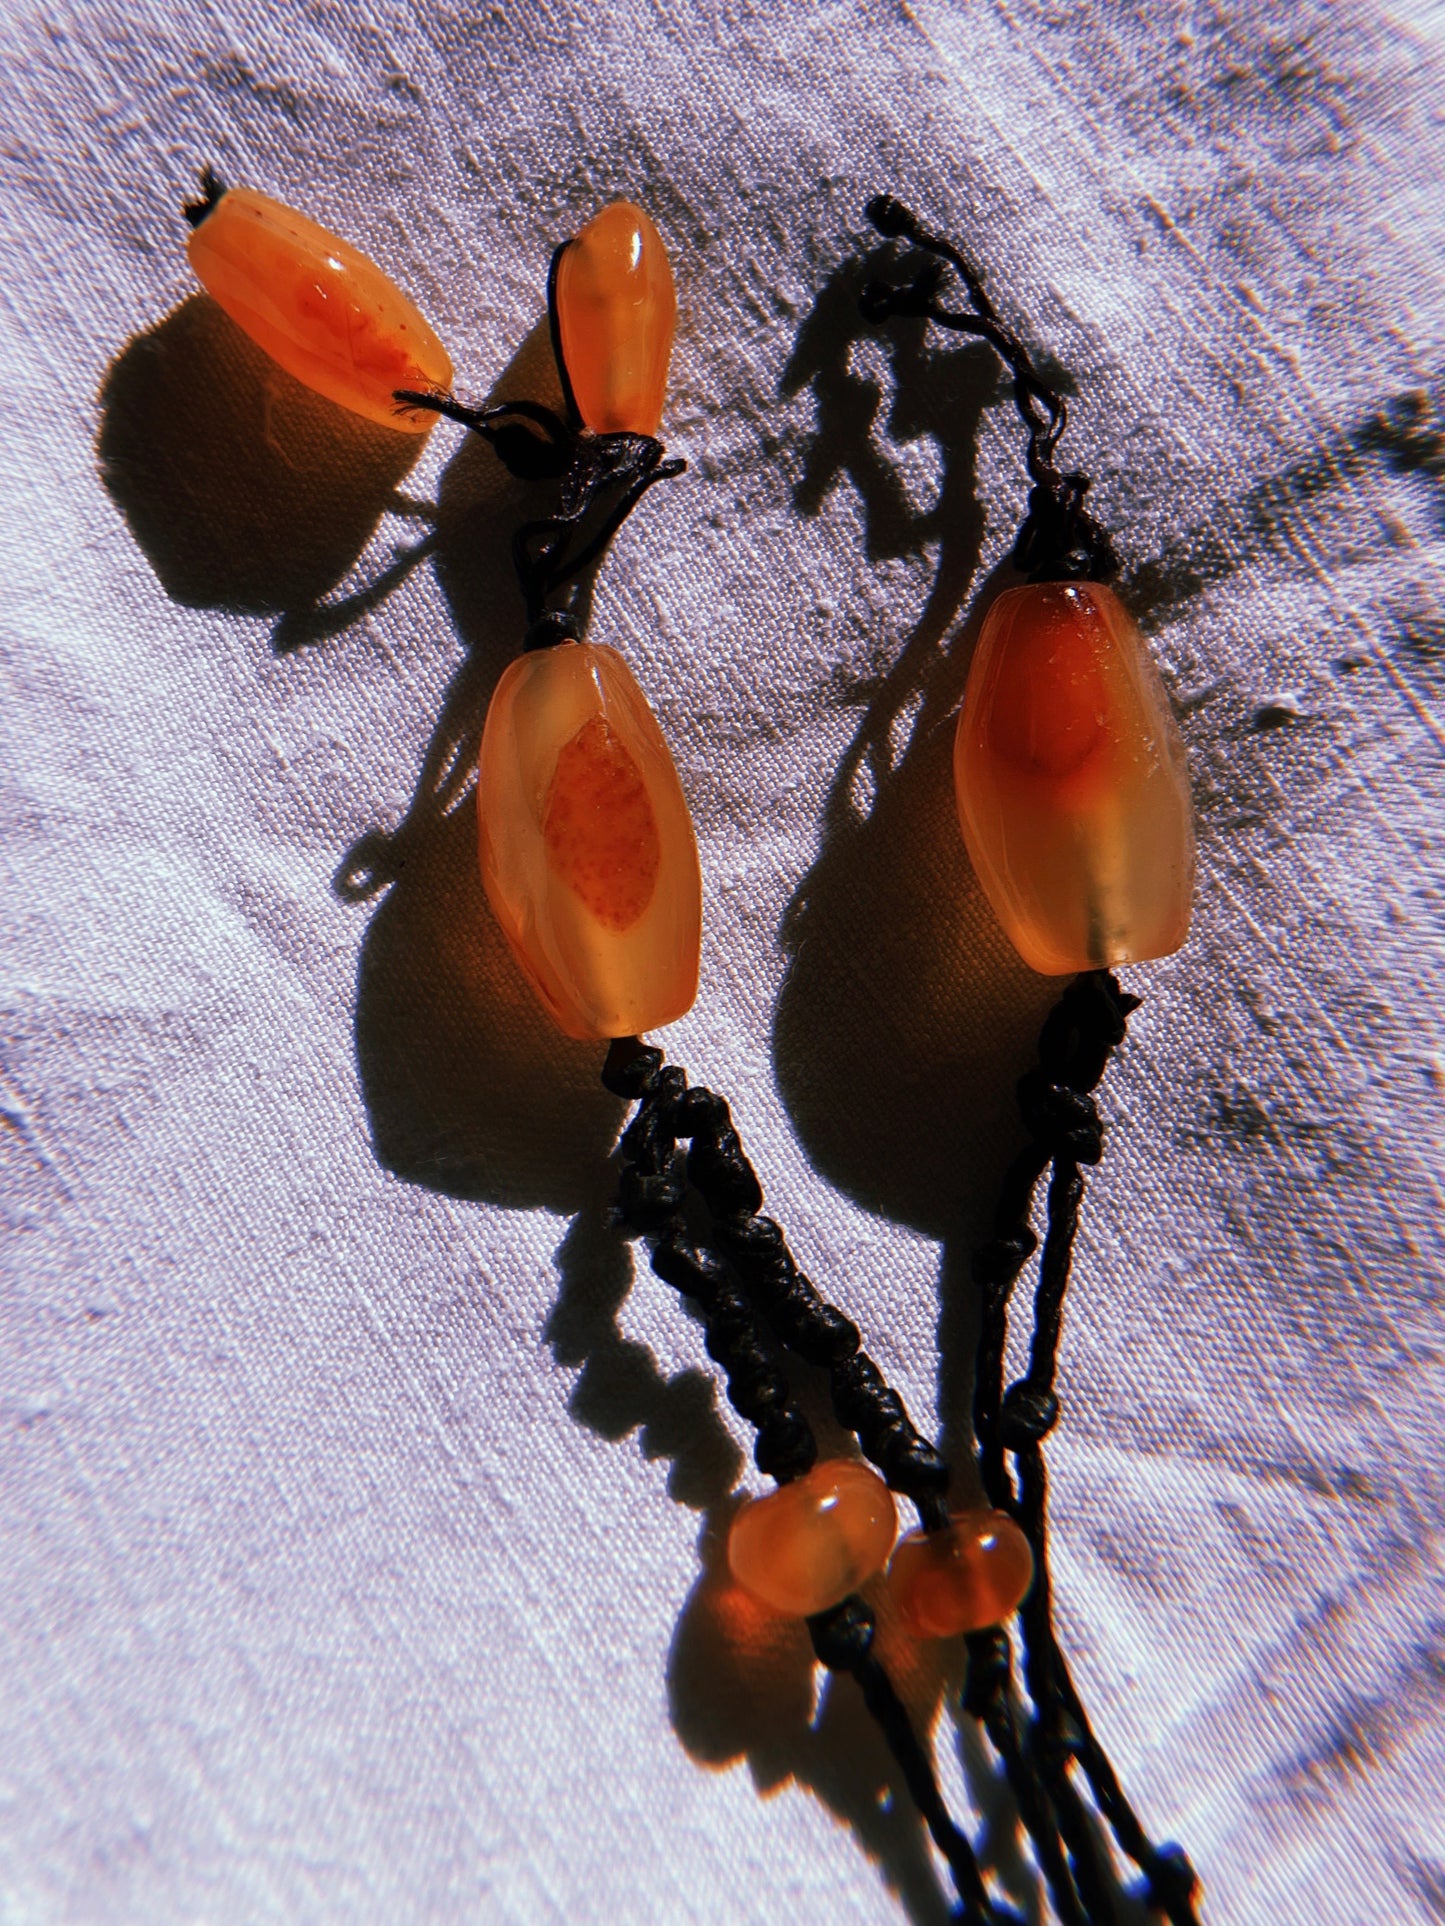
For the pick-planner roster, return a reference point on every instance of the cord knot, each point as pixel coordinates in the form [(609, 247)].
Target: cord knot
[(631, 1068), (1065, 1120), (1173, 1884), (1029, 1415), (551, 627), (1000, 1260), (843, 1635)]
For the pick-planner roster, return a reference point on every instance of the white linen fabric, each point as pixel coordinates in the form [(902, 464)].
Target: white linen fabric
[(361, 1513)]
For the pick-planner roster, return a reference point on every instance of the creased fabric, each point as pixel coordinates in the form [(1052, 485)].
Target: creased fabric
[(361, 1518)]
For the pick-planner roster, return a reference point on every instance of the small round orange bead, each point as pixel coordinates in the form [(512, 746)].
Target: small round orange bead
[(807, 1545), (974, 1573)]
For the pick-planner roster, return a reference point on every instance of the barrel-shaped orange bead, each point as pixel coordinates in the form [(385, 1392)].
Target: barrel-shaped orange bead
[(587, 848), (1072, 787), (810, 1543), (616, 310), (316, 305), (974, 1572)]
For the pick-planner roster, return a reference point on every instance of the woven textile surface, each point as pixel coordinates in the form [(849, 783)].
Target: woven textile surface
[(361, 1513)]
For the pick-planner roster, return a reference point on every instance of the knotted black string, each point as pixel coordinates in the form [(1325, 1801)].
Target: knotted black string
[(603, 478), (1059, 538), (1039, 1750), (1081, 1031), (753, 1299)]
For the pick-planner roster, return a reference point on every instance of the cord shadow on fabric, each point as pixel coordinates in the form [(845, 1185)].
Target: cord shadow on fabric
[(904, 1017), (245, 490)]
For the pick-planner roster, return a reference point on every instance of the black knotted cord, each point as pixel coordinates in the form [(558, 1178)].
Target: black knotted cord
[(1037, 1751), (603, 478), (1078, 1036), (754, 1301)]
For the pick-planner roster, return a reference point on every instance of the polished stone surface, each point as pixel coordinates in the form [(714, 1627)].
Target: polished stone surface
[(320, 308), (587, 848), (1072, 788), (616, 312)]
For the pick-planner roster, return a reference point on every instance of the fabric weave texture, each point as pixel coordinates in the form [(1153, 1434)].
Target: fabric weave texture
[(361, 1515)]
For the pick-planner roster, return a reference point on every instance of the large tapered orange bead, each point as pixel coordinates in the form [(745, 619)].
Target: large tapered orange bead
[(973, 1573), (808, 1544), (1071, 782), (588, 853), (317, 306), (616, 311)]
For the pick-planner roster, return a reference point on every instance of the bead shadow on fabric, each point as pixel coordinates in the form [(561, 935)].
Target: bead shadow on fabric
[(904, 1017), (469, 1086), (245, 490)]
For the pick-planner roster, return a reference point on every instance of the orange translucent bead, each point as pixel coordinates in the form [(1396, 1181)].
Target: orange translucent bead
[(1071, 782), (808, 1544), (974, 1573), (318, 307), (588, 853), (616, 310)]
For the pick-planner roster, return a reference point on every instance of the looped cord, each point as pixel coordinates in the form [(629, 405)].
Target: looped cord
[(1059, 539), (842, 1636)]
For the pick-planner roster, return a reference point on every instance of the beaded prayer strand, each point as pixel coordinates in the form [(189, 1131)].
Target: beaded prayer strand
[(590, 864), (1074, 804), (828, 1528), (598, 892)]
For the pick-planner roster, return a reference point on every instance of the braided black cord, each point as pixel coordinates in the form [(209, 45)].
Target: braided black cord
[(743, 1337), (1081, 1031), (791, 1305)]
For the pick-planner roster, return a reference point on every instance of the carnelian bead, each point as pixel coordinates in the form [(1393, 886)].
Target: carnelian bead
[(317, 306), (587, 848), (616, 310), (808, 1544), (1072, 788), (973, 1573)]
